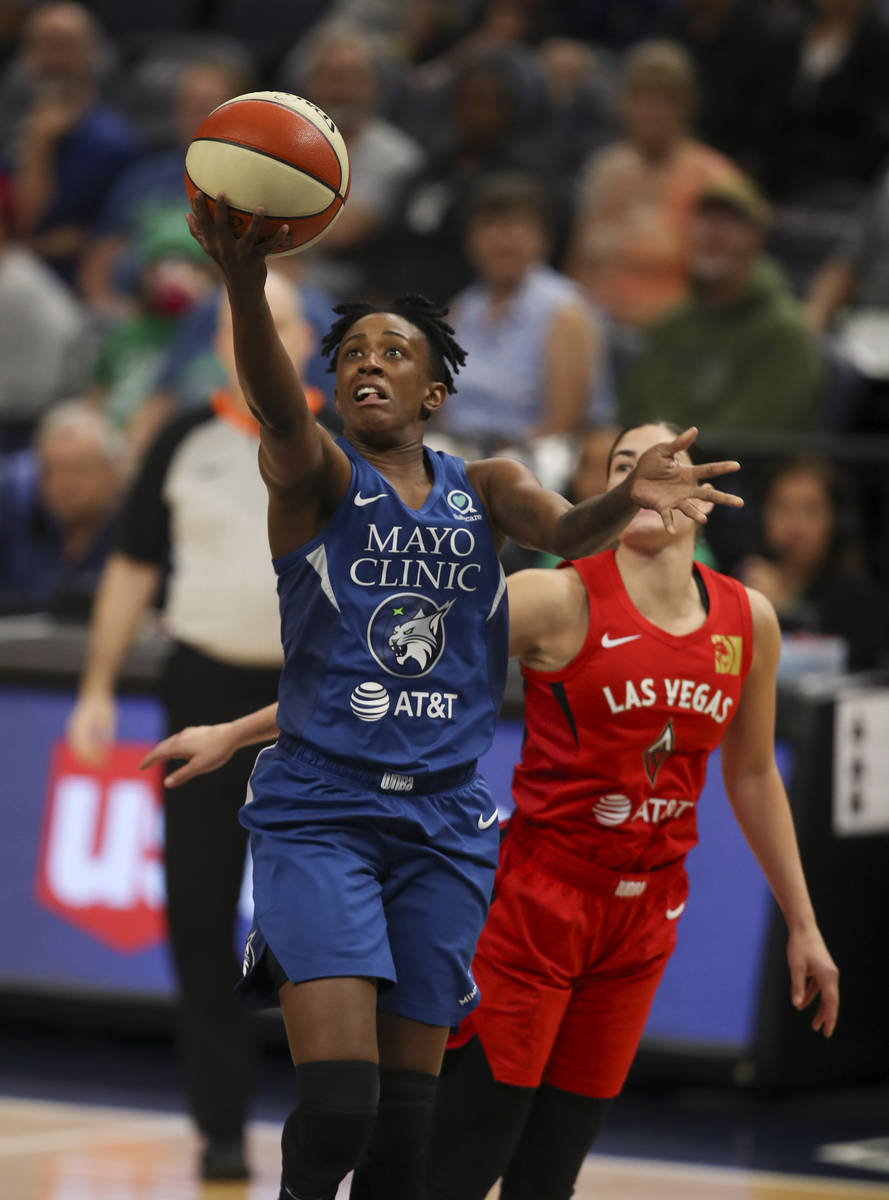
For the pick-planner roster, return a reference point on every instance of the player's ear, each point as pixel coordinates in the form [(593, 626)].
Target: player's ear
[(434, 398)]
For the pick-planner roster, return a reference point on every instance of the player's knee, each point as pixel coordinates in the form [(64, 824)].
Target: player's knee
[(404, 1121), (394, 1167), (328, 1132)]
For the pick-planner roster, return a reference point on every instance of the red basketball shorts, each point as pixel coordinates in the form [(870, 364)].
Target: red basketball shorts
[(568, 964)]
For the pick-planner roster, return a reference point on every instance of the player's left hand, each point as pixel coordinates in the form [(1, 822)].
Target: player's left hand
[(204, 747), (661, 482), (813, 972), (240, 259)]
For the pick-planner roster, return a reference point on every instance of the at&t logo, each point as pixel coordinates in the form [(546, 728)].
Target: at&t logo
[(370, 701)]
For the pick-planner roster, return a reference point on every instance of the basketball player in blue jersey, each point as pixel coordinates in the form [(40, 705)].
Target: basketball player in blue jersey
[(374, 839)]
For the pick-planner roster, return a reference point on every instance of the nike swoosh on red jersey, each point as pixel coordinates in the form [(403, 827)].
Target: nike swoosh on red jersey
[(608, 643)]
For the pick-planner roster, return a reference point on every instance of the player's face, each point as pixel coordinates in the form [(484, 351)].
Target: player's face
[(646, 530), (383, 379)]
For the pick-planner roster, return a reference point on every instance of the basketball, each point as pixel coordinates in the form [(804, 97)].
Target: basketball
[(278, 151)]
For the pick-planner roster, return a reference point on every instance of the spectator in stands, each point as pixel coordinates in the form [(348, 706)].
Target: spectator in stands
[(830, 120), (532, 343), (737, 354), (45, 349), (174, 275), (629, 246), (577, 115), (193, 369), (849, 297), (109, 271), (483, 130), (340, 73), (199, 505), (58, 504), (740, 53), (809, 564), (69, 148)]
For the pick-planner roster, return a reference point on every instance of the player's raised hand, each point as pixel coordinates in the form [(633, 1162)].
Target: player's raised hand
[(661, 481), (204, 747), (240, 258), (813, 973)]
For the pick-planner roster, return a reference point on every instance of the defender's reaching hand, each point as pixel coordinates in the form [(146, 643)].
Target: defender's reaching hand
[(661, 482)]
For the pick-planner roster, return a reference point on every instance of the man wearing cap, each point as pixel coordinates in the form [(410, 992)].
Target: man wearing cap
[(736, 354)]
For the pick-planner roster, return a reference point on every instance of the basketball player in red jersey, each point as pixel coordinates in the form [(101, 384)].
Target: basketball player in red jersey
[(638, 663)]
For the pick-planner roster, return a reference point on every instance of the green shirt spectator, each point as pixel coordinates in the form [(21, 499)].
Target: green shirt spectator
[(736, 355), (173, 277)]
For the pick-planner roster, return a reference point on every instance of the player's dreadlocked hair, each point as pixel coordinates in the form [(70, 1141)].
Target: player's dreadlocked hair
[(446, 356)]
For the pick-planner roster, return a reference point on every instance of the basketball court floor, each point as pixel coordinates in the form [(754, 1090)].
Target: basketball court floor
[(87, 1118), (52, 1151)]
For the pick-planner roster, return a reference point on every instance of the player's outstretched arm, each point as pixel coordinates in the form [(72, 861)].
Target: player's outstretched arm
[(757, 796), (299, 461), (542, 520), (208, 747)]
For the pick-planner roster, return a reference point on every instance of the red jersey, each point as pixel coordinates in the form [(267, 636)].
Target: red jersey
[(616, 748)]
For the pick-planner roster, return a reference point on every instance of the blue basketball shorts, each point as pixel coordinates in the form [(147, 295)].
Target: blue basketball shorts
[(369, 873)]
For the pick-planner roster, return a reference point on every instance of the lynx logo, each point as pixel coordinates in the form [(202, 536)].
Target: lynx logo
[(659, 751), (100, 860), (461, 504), (406, 634)]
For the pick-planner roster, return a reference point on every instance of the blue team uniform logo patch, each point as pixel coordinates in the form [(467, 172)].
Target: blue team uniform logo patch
[(406, 634)]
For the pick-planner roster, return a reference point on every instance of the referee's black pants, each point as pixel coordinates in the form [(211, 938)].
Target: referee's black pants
[(204, 865)]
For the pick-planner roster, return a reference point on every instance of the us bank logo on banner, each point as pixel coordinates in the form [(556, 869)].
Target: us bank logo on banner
[(101, 857)]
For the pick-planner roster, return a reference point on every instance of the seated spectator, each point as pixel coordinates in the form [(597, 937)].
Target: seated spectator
[(531, 341), (484, 129), (629, 246), (739, 50), (339, 73), (58, 504), (736, 355), (45, 350), (849, 297), (70, 148), (174, 275), (577, 115), (197, 362), (809, 564), (109, 270), (830, 120)]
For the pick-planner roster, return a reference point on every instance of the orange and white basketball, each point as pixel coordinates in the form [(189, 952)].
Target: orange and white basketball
[(275, 150)]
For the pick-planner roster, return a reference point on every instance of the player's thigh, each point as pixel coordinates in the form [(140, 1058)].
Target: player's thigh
[(330, 1019), (602, 1027), (436, 897), (407, 1045), (318, 904), (528, 956)]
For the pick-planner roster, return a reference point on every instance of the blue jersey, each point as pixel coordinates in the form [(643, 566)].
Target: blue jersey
[(395, 627)]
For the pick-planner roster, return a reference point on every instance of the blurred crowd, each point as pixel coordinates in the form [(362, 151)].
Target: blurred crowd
[(654, 209)]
